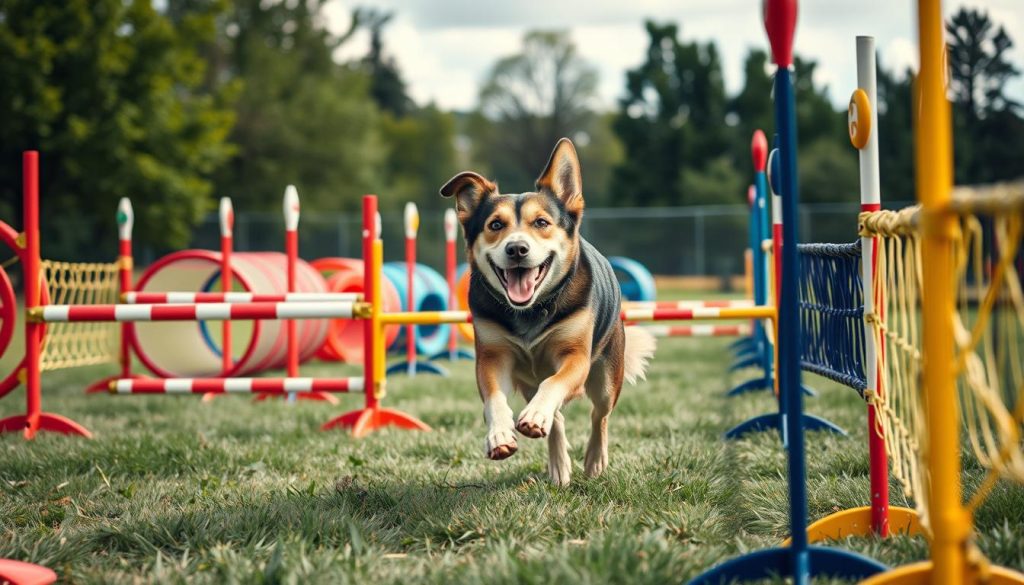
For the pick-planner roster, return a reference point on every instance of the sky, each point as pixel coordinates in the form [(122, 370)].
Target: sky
[(444, 48)]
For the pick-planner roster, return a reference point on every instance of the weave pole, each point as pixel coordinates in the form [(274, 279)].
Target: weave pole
[(799, 561), (451, 230), (373, 416), (412, 365), (126, 263), (34, 419), (758, 351)]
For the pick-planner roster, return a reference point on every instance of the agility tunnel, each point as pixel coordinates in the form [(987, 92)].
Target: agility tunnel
[(189, 349), (430, 293), (345, 336)]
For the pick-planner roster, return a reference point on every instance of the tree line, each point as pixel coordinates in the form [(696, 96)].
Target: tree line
[(175, 104)]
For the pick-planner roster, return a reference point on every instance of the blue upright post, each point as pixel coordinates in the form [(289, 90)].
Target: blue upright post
[(798, 560)]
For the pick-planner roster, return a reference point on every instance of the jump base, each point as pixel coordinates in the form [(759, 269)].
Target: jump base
[(771, 563), (366, 420), (19, 573), (416, 367), (857, 522), (774, 421), (458, 354), (921, 574), (53, 423)]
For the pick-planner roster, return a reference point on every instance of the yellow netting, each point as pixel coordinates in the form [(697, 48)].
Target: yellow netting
[(897, 328), (988, 329), (67, 345)]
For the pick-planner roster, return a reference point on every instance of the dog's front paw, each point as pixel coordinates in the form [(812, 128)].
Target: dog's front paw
[(534, 422), (500, 444), (560, 470)]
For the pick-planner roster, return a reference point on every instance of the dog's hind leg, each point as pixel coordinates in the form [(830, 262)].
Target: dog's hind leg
[(602, 388), (559, 463)]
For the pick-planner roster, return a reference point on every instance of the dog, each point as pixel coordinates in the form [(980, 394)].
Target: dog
[(545, 306)]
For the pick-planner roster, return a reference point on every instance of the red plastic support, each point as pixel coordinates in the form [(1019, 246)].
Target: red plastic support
[(20, 573), (759, 151)]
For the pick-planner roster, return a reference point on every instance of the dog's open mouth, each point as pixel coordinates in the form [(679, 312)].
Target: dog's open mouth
[(520, 282)]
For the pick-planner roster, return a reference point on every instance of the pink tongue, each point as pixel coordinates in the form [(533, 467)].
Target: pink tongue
[(521, 284)]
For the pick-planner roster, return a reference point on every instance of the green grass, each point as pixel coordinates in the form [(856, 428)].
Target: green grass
[(173, 490)]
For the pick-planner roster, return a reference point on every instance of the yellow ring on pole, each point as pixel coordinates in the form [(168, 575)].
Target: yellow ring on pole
[(859, 120)]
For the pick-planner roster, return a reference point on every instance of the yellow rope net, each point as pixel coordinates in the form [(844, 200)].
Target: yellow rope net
[(989, 336), (67, 345)]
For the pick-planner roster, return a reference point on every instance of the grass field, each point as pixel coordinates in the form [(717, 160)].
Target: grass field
[(173, 490)]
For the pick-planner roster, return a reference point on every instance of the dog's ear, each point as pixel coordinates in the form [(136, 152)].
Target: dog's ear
[(469, 189), (562, 179)]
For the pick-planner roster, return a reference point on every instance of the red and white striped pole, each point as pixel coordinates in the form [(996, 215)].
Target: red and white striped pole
[(412, 225), (227, 227), (864, 135), (125, 222), (450, 230)]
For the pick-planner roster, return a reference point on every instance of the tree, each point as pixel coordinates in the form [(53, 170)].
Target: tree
[(303, 118), (421, 157), (895, 134), (386, 86), (110, 92), (672, 118), (983, 114), (530, 100)]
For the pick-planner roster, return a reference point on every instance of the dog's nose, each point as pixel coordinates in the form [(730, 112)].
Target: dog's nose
[(517, 250)]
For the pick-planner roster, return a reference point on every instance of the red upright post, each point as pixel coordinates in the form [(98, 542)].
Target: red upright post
[(34, 419), (412, 224), (227, 227)]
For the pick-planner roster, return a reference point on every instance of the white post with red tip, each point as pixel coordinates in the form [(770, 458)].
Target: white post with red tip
[(412, 225)]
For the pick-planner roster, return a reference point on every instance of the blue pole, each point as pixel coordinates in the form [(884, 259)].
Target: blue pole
[(789, 325)]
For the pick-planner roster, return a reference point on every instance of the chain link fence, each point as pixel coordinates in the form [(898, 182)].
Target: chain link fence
[(669, 241)]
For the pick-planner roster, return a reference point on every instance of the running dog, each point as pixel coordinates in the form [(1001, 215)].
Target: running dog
[(545, 307)]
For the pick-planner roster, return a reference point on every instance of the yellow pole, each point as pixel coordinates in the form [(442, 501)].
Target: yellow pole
[(951, 523)]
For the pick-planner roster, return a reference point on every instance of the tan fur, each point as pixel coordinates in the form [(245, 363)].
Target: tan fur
[(640, 346)]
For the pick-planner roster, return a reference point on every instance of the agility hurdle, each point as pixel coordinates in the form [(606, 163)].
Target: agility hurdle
[(799, 560)]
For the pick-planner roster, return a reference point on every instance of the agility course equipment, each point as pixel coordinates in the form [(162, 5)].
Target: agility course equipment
[(81, 288), (20, 573), (799, 560), (933, 248), (416, 277), (451, 228), (839, 300)]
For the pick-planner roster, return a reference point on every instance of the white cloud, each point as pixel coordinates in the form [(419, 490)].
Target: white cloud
[(444, 49)]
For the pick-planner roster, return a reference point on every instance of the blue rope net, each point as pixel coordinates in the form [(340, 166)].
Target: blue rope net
[(832, 313)]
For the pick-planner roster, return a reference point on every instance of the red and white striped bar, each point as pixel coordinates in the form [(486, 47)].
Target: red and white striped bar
[(174, 297), (712, 304), (740, 330), (698, 313), (235, 385), (191, 312)]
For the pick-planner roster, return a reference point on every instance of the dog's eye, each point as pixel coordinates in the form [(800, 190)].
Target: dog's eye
[(541, 223), (496, 225)]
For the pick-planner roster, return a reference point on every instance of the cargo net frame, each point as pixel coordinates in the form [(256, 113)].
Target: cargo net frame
[(988, 326)]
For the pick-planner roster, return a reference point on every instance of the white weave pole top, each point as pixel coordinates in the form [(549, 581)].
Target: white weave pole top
[(226, 213), (125, 219), (412, 220), (451, 224), (291, 208), (870, 181)]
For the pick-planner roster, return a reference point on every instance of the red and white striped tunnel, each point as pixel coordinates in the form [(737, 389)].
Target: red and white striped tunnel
[(235, 385), (186, 349)]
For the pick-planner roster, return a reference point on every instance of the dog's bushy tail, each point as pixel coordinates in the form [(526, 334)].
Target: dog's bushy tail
[(640, 346)]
